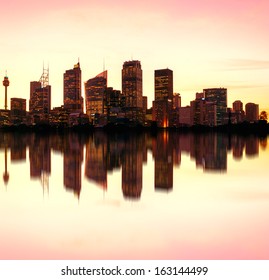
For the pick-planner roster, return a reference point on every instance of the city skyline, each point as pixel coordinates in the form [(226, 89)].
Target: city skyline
[(83, 88), (206, 44)]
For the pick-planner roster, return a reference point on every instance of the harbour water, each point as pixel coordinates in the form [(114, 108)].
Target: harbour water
[(134, 196)]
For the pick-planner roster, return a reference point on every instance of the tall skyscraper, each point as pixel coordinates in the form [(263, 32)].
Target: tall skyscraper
[(132, 83), (95, 94), (73, 101), (163, 103), (163, 84), (219, 97), (40, 95)]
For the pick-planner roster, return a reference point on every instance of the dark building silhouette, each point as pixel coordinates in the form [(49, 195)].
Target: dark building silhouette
[(73, 101), (252, 112)]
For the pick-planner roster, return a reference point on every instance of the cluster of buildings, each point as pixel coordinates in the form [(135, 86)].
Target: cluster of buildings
[(105, 105)]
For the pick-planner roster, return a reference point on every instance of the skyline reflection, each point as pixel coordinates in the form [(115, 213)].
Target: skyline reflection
[(98, 154)]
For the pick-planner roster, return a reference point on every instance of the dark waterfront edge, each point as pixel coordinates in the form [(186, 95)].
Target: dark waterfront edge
[(258, 128)]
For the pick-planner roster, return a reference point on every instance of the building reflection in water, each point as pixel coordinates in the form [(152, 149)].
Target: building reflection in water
[(132, 165), (163, 159), (40, 158), (96, 159), (73, 158), (106, 153)]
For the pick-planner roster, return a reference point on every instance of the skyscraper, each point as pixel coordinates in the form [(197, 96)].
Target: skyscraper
[(132, 83), (219, 97), (252, 112), (40, 96), (95, 94), (73, 101), (18, 109), (163, 103), (163, 84)]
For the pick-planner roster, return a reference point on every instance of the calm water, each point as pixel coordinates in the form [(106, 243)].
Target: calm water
[(129, 196)]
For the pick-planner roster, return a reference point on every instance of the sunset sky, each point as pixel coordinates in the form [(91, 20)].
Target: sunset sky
[(207, 43)]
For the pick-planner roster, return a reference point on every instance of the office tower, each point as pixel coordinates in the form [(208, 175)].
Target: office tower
[(219, 97), (163, 84), (40, 99), (163, 103), (203, 112), (6, 84), (145, 104), (237, 106), (132, 92), (252, 112), (73, 101), (176, 100), (113, 103), (17, 109), (238, 111), (95, 94), (40, 96), (132, 84)]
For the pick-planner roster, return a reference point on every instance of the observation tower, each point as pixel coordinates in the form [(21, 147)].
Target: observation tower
[(6, 84)]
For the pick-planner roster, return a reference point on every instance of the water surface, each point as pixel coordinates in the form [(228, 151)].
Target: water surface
[(134, 196)]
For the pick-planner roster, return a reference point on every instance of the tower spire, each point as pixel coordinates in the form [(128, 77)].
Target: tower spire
[(6, 84)]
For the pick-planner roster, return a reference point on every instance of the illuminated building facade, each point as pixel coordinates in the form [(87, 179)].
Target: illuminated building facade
[(95, 94), (18, 109), (73, 101), (163, 103), (40, 99), (163, 84), (132, 83), (219, 97)]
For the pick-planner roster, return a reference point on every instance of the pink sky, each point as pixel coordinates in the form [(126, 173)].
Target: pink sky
[(206, 43)]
